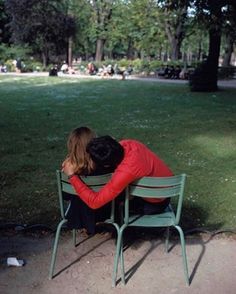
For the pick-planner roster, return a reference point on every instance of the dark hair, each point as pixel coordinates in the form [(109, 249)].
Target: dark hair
[(105, 151)]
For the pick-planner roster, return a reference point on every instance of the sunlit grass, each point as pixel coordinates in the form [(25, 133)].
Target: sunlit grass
[(193, 132)]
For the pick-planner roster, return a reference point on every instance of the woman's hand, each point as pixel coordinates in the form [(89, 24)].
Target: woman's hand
[(67, 167)]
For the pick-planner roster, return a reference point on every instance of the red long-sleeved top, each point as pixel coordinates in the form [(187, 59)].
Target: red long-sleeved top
[(138, 162)]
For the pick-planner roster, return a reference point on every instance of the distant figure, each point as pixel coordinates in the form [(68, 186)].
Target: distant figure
[(14, 64), (18, 65), (3, 68), (117, 70), (177, 72), (127, 72), (161, 71), (129, 69), (171, 73), (183, 74), (64, 67), (71, 70), (53, 71), (92, 70), (110, 70)]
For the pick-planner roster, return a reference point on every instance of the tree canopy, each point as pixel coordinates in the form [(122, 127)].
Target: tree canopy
[(42, 24), (146, 29)]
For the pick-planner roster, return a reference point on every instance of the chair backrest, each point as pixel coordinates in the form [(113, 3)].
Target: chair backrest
[(94, 182), (158, 187)]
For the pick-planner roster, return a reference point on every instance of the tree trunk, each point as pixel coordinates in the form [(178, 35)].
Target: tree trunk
[(199, 53), (175, 30), (99, 49), (175, 48), (213, 56), (205, 77), (70, 43), (229, 48), (44, 59), (129, 53)]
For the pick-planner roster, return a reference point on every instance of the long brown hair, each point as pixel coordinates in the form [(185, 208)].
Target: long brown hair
[(76, 144)]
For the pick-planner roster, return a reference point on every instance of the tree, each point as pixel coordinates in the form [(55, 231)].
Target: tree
[(229, 33), (42, 24), (4, 19), (139, 20), (174, 22), (101, 15), (210, 12), (145, 31)]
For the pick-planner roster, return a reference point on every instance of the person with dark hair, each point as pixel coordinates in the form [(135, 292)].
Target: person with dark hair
[(105, 151), (130, 160), (53, 72)]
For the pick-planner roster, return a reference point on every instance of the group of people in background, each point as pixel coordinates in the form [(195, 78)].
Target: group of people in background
[(109, 70), (173, 72), (17, 64), (91, 69)]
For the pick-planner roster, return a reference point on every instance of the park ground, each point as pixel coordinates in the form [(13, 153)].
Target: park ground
[(87, 268), (221, 83)]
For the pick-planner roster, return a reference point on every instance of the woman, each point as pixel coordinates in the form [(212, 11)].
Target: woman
[(80, 216), (130, 160), (77, 154)]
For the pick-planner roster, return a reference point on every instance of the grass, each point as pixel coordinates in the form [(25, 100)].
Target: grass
[(192, 132)]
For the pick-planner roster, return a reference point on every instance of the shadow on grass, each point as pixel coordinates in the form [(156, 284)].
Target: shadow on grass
[(193, 217)]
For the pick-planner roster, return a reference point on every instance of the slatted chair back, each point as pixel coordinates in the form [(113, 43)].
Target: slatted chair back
[(94, 182), (158, 187)]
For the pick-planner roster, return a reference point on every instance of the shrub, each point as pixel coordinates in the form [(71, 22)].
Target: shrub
[(10, 66), (12, 52)]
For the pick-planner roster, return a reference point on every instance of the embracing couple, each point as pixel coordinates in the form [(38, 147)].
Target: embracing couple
[(127, 160)]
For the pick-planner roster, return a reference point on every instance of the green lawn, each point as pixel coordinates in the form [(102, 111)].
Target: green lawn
[(194, 133)]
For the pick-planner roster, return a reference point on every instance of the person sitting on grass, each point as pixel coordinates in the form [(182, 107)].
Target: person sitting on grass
[(91, 68), (130, 161)]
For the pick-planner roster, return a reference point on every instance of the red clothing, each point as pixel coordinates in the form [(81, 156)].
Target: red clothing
[(138, 162)]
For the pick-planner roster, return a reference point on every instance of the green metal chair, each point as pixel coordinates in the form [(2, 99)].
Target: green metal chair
[(95, 183), (153, 187)]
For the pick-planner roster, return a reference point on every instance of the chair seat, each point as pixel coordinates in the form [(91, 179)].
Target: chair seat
[(164, 219)]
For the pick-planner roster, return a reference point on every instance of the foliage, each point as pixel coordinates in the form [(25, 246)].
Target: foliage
[(4, 19), (42, 24), (174, 16), (14, 51), (83, 42), (210, 12)]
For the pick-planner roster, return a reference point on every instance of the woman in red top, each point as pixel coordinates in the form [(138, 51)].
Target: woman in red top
[(130, 160)]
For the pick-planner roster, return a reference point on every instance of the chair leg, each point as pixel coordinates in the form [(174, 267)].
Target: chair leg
[(74, 236), (122, 262), (167, 239), (54, 253), (118, 254), (116, 260), (183, 247)]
